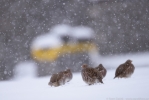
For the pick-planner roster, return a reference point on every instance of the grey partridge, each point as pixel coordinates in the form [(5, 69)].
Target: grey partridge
[(102, 70), (91, 75), (57, 79), (125, 70)]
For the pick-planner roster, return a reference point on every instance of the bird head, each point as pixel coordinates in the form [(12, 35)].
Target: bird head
[(100, 65), (65, 72), (84, 66), (128, 61), (68, 70)]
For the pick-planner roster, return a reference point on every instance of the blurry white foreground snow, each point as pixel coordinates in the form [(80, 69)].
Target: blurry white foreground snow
[(120, 89)]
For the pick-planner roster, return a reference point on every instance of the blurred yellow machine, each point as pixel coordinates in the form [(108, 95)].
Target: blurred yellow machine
[(52, 54), (80, 39), (62, 40)]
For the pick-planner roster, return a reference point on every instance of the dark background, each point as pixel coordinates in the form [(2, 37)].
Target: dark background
[(121, 26)]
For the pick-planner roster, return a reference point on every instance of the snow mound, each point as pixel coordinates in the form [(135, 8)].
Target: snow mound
[(82, 32), (46, 41), (61, 30), (25, 70)]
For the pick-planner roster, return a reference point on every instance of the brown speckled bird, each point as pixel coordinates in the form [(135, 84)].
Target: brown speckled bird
[(57, 79), (68, 75), (102, 70), (90, 75), (125, 70)]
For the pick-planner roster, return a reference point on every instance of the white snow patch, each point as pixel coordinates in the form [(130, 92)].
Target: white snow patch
[(25, 70), (61, 30), (76, 32), (82, 32), (113, 61), (46, 41)]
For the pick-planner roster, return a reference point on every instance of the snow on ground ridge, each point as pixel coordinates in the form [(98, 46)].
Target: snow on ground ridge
[(30, 89)]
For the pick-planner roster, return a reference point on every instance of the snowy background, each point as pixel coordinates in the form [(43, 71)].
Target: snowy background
[(120, 26), (120, 30)]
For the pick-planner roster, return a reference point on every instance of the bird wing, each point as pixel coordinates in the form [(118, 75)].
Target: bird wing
[(90, 73), (53, 78), (119, 70)]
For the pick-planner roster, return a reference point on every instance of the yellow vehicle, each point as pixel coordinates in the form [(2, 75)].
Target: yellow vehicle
[(51, 54), (63, 40)]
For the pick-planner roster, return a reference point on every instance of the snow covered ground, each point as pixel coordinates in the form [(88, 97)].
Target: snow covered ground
[(26, 86), (134, 88)]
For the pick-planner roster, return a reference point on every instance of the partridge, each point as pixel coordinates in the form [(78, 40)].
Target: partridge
[(125, 70), (102, 70), (91, 75), (57, 79)]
